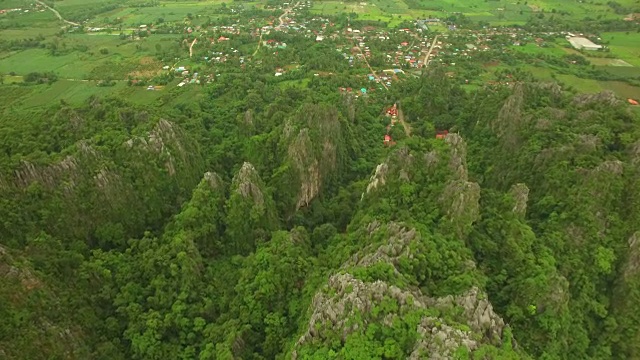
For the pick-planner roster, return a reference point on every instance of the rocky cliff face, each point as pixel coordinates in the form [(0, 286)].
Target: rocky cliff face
[(313, 146), (438, 333), (399, 165), (247, 183), (137, 176), (25, 296), (520, 194), (460, 198), (164, 141), (250, 211)]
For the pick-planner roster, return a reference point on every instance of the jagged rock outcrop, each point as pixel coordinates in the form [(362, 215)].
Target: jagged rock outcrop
[(313, 143), (165, 141), (438, 341), (458, 156), (520, 194), (214, 180), (347, 297), (431, 159), (250, 211), (378, 178), (511, 119), (606, 97), (460, 198), (308, 167), (632, 266), (248, 184), (396, 246), (511, 110), (400, 162), (478, 312), (344, 296), (43, 324)]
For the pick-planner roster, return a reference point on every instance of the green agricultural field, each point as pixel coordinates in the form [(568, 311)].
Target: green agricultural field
[(17, 34), (623, 90), (69, 91), (72, 66), (577, 9), (624, 45), (581, 85), (76, 92), (31, 23), (11, 4), (87, 61), (167, 11), (535, 49)]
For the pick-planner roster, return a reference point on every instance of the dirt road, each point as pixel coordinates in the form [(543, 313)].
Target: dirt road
[(286, 12), (57, 13), (259, 44), (405, 125), (370, 68), (426, 57), (191, 47)]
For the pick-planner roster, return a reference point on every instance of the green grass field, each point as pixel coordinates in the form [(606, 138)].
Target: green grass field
[(626, 46), (501, 12), (76, 92), (81, 59), (122, 58)]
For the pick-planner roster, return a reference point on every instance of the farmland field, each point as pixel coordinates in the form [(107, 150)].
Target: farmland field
[(118, 54), (494, 12), (627, 46)]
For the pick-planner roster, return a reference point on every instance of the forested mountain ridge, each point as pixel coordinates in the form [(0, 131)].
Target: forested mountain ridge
[(278, 226)]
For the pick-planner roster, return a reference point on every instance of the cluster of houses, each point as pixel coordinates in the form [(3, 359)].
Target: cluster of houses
[(34, 6), (6, 11), (187, 77), (400, 50)]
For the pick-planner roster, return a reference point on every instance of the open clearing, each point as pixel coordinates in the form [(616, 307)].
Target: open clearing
[(493, 12)]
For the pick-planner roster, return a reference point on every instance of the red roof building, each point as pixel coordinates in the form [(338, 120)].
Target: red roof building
[(393, 111), (441, 134)]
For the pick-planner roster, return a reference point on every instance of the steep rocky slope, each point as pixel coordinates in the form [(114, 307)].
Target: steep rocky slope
[(32, 321), (395, 296), (142, 175), (315, 149)]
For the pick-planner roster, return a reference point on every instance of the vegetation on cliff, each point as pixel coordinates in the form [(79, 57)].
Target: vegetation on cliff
[(277, 225)]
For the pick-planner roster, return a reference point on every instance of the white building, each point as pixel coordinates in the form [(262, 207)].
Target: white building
[(583, 43)]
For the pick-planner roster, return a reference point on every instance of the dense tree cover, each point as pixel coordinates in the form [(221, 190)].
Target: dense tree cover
[(268, 222)]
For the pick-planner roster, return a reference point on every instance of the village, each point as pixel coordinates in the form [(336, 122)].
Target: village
[(389, 54), (375, 57), (290, 44)]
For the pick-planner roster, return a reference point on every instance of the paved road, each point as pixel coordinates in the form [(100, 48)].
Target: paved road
[(57, 13)]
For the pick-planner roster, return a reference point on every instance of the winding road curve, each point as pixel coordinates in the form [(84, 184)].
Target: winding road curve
[(286, 12), (57, 13)]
